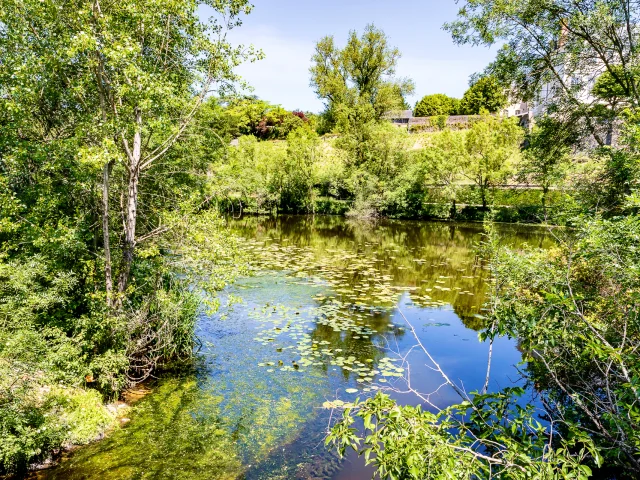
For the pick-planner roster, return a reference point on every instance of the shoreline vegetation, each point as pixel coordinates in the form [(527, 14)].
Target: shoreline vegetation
[(124, 142)]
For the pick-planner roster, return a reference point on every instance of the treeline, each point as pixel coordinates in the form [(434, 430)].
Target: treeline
[(375, 169), (350, 159), (485, 95)]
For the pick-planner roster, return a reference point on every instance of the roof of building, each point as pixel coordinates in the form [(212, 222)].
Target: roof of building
[(405, 114), (399, 114)]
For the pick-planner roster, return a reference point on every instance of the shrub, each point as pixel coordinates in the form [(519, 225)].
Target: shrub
[(436, 104)]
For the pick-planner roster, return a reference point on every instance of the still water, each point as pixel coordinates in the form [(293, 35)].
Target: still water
[(326, 316)]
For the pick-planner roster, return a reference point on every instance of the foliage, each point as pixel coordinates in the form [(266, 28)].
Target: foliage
[(552, 50), (264, 176), (577, 309), (575, 312), (444, 158), (251, 116), (498, 438), (103, 212), (492, 146), (359, 77), (485, 95), (436, 104), (545, 158), (608, 87), (384, 171)]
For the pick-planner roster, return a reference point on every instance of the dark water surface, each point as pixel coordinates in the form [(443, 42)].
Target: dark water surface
[(323, 318)]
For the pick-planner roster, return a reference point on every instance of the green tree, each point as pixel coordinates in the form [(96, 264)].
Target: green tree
[(556, 47), (361, 75), (574, 309), (303, 150), (436, 104), (492, 147), (252, 116), (131, 70), (546, 156), (610, 89), (96, 109), (485, 94), (444, 159)]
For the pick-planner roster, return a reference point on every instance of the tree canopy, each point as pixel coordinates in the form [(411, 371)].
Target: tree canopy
[(556, 48), (97, 101), (436, 104), (359, 76), (485, 94)]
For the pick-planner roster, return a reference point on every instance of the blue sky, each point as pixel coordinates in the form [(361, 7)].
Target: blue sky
[(286, 30)]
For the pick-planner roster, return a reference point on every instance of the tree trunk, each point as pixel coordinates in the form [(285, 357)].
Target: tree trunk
[(131, 214), (108, 276)]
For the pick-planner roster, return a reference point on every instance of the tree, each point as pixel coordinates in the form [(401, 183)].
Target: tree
[(303, 148), (553, 50), (609, 89), (546, 155), (436, 104), (359, 75), (136, 74), (121, 82), (485, 94), (444, 159), (252, 116), (96, 108), (574, 310), (492, 145), (613, 99)]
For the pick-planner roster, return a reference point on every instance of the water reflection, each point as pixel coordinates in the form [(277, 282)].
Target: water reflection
[(319, 320)]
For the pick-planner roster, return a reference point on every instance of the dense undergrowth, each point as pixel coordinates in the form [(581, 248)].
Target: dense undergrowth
[(447, 175), (104, 230)]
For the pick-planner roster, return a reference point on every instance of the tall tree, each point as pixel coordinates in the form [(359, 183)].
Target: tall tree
[(360, 74), (546, 156), (485, 94), (444, 158), (124, 80), (492, 146), (436, 104)]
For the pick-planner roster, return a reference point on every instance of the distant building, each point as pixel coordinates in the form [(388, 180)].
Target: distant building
[(401, 117), (405, 119), (520, 110)]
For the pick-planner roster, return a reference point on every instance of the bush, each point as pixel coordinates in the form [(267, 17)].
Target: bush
[(575, 310), (436, 104), (484, 95), (331, 206)]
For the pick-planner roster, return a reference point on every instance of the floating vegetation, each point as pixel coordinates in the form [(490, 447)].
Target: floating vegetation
[(358, 285)]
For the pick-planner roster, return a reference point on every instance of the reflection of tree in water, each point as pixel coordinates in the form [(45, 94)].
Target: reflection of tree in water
[(365, 348), (434, 262), (413, 254)]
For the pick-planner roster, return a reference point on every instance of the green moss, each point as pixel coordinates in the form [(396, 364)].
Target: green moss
[(175, 433)]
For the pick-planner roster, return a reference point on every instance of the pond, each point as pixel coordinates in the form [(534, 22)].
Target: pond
[(328, 315)]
